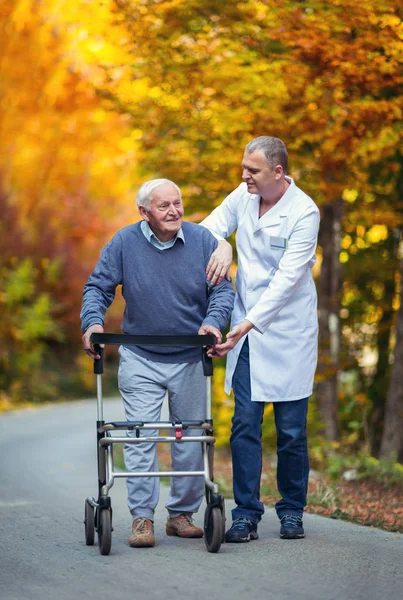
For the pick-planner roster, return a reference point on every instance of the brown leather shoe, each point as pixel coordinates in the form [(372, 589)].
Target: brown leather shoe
[(143, 533), (183, 526)]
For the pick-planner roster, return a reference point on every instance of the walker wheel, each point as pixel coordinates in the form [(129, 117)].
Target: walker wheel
[(213, 528), (223, 522), (89, 524), (105, 531)]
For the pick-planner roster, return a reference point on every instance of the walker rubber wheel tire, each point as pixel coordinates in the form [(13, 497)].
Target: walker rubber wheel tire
[(105, 531), (223, 522), (213, 528), (89, 524)]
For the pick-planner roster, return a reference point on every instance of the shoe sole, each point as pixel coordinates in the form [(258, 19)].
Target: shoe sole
[(146, 542), (249, 538), (141, 544), (174, 533), (288, 536)]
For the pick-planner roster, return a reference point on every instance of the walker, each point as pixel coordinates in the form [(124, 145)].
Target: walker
[(98, 513)]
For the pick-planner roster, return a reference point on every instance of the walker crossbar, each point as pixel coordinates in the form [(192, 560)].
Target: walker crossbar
[(152, 340), (204, 439), (130, 425)]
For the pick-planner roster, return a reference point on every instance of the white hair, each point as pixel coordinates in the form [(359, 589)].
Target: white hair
[(144, 195)]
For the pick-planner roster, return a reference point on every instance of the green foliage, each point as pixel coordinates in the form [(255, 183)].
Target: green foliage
[(27, 323), (387, 472)]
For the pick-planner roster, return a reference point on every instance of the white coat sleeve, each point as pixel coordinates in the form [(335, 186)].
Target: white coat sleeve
[(297, 259), (224, 219)]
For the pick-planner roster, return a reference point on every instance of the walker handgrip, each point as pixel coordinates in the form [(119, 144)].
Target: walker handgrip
[(152, 340), (207, 364), (99, 362)]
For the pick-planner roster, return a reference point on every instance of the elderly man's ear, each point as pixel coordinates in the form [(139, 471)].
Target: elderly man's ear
[(143, 213)]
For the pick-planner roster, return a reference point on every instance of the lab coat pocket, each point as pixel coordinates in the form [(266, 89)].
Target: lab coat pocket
[(272, 247)]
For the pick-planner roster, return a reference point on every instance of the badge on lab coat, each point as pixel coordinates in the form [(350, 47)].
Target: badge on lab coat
[(278, 242)]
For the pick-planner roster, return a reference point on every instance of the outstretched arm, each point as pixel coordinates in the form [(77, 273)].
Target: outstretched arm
[(99, 293), (222, 222)]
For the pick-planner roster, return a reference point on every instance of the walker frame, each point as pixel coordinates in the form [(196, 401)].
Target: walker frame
[(98, 512)]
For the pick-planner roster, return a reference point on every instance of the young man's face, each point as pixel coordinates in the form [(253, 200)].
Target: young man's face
[(165, 216), (258, 174)]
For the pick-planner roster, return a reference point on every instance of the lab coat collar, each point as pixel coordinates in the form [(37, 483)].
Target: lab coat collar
[(279, 211)]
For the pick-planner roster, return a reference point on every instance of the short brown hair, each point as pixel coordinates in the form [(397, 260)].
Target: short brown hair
[(274, 150)]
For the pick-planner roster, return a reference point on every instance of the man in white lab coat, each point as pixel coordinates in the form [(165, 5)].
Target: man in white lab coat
[(272, 344)]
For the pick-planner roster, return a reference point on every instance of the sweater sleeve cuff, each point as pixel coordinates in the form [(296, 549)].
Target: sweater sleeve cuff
[(88, 323), (211, 321)]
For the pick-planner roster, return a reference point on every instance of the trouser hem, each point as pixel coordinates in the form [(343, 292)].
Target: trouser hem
[(175, 514), (297, 513), (143, 514)]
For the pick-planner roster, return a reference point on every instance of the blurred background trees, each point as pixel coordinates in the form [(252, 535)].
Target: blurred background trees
[(96, 97)]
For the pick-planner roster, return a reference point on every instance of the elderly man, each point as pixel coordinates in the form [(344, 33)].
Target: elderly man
[(273, 341), (161, 264)]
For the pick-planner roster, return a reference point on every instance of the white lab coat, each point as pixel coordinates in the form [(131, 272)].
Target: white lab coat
[(275, 290)]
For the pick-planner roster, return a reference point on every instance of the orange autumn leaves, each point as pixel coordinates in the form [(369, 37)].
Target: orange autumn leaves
[(98, 96)]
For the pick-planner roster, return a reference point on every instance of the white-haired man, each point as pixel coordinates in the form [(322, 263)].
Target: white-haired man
[(161, 264)]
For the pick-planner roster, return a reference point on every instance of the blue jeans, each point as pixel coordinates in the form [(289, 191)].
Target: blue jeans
[(246, 448)]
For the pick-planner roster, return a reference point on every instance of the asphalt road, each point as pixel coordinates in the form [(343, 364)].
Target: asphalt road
[(48, 468)]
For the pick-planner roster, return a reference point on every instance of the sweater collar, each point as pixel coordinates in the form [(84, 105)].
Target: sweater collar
[(152, 238)]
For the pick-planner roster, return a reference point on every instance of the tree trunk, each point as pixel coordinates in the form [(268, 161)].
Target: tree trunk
[(379, 387), (392, 437), (329, 322)]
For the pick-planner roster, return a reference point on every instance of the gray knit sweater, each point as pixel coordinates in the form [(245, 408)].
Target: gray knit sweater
[(165, 291)]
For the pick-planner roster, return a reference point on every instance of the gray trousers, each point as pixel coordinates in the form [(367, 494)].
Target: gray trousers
[(142, 385)]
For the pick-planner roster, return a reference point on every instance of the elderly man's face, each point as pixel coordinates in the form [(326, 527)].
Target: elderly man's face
[(165, 216)]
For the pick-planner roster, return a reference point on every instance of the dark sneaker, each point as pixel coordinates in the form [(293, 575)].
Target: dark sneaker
[(291, 527), (184, 527), (142, 533), (242, 530)]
